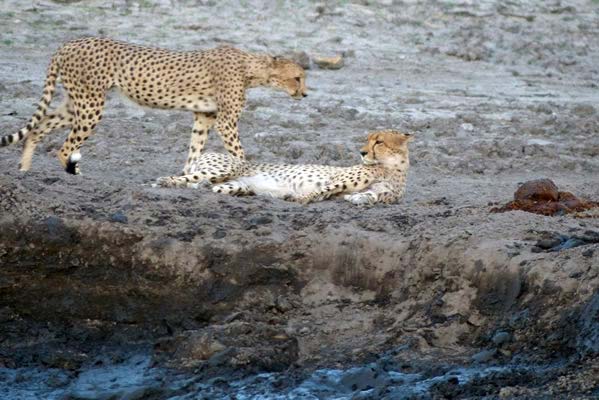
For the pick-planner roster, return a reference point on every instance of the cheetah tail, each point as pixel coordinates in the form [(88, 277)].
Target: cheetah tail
[(40, 113)]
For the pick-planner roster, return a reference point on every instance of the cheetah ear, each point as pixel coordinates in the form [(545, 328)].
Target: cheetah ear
[(398, 140), (271, 61), (402, 136)]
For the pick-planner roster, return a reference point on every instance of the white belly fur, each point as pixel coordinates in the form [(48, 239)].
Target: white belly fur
[(264, 184)]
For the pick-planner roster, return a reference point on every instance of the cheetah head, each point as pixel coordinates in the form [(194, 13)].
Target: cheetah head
[(288, 76), (388, 148)]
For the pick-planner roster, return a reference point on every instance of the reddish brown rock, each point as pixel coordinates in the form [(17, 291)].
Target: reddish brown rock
[(573, 203), (541, 196), (537, 190)]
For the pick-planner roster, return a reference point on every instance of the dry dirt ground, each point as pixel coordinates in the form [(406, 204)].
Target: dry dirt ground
[(109, 287)]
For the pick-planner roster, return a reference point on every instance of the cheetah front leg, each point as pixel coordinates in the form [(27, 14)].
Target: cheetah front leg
[(226, 125), (230, 101), (377, 193), (319, 195), (202, 123), (233, 188), (344, 182), (326, 191), (367, 197)]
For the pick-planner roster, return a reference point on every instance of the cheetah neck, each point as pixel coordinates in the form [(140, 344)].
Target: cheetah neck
[(394, 172), (257, 70)]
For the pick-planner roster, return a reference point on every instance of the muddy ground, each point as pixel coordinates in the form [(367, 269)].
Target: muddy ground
[(112, 288)]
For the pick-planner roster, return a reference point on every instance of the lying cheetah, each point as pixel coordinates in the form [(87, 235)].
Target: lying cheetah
[(380, 179), (209, 83)]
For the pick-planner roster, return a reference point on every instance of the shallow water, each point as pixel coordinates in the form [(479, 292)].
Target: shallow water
[(136, 378)]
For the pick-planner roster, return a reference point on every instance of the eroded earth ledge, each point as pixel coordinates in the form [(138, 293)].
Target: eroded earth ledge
[(239, 286)]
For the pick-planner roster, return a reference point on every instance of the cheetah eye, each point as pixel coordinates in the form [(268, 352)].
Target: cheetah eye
[(298, 79), (378, 142)]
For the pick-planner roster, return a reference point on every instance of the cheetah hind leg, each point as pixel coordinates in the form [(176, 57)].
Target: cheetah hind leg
[(191, 180), (186, 181), (233, 188), (60, 118)]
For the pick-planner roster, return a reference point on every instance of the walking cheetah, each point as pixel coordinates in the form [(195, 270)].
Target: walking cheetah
[(210, 83), (380, 179)]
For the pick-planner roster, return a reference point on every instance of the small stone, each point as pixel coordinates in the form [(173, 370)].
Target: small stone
[(300, 57), (57, 380), (261, 220), (538, 142), (505, 352), (588, 253), (202, 347), (465, 130), (219, 234), (453, 380), (508, 392), (571, 201), (584, 110), (329, 62), (222, 357), (362, 378), (575, 274), (7, 314), (467, 127), (547, 244), (475, 320), (500, 337), (234, 317), (304, 331), (119, 217), (282, 304), (484, 356)]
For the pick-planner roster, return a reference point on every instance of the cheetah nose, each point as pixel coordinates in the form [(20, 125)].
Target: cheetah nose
[(363, 153), (304, 95)]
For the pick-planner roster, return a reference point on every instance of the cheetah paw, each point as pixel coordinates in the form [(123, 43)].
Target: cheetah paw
[(198, 185), (73, 169), (361, 198), (225, 188), (170, 182), (72, 166), (309, 198)]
